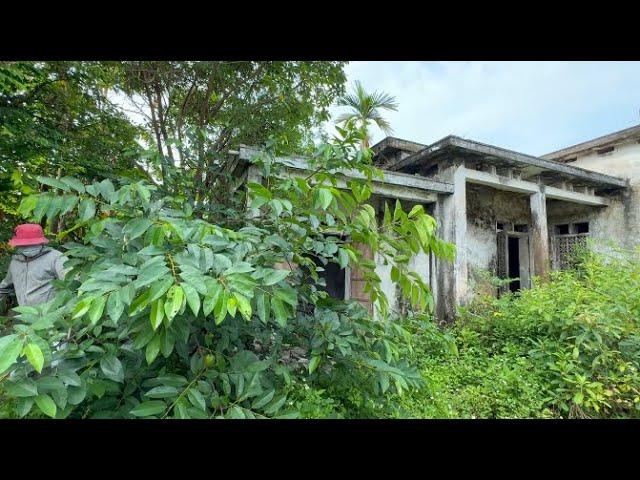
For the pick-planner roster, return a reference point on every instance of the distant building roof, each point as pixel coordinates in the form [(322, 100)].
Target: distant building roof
[(388, 144), (569, 153), (456, 147)]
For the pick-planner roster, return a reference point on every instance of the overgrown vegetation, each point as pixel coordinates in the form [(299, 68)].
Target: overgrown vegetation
[(165, 314), (565, 349), (183, 303)]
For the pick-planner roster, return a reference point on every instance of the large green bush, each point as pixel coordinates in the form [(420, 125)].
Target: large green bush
[(165, 314)]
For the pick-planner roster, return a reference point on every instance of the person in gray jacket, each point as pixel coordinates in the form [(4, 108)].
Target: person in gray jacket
[(32, 267)]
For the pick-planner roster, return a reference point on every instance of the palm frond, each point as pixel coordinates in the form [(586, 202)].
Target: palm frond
[(365, 107), (384, 101), (346, 116), (383, 124)]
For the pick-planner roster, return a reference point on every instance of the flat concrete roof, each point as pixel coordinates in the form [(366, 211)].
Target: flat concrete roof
[(456, 147), (393, 143), (568, 153)]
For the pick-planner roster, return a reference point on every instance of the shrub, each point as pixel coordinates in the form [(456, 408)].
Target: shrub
[(579, 330), (167, 315)]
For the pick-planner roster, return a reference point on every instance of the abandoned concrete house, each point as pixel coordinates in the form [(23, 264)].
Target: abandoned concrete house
[(511, 215)]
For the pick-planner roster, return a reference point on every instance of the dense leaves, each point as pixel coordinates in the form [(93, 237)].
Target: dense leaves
[(164, 314), (565, 349)]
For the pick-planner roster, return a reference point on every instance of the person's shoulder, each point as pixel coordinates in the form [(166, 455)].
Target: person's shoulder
[(53, 253)]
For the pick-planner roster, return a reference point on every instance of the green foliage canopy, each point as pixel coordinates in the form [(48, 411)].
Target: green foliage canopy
[(167, 315)]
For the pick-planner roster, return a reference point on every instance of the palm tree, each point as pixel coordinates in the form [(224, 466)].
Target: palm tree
[(365, 109)]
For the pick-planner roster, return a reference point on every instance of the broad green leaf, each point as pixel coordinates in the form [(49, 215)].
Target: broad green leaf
[(10, 348), (275, 276), (167, 343), (35, 356), (244, 306), (232, 305), (112, 368), (96, 310), (68, 203), (193, 299), (136, 227), (212, 298), (27, 205), (46, 404), (74, 183), (87, 209), (259, 190), (343, 258), (157, 313), (159, 288), (151, 407), (139, 303), (82, 307), (325, 197), (52, 182), (262, 307), (23, 406), (152, 350), (196, 398), (175, 297), (115, 306), (263, 399), (69, 377), (220, 310), (22, 389), (162, 391), (279, 311), (313, 364)]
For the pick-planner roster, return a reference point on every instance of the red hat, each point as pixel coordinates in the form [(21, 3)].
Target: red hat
[(28, 234)]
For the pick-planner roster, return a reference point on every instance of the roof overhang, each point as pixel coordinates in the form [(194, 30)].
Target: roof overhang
[(393, 185), (457, 148), (390, 145), (570, 153)]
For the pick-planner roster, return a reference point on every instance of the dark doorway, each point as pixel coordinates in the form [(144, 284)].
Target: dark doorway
[(334, 277), (514, 262)]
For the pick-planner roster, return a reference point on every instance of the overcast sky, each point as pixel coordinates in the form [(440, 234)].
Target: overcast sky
[(531, 107)]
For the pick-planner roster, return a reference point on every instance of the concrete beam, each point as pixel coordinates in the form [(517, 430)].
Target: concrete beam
[(575, 197), (395, 185), (499, 182), (390, 178), (523, 186), (384, 189)]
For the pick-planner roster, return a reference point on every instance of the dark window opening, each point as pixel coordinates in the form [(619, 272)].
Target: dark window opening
[(602, 151), (514, 263), (334, 278), (582, 227), (562, 229), (523, 228), (432, 170), (499, 226)]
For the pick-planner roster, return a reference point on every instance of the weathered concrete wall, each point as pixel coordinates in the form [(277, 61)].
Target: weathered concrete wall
[(621, 220), (387, 286), (418, 263), (485, 207), (606, 224)]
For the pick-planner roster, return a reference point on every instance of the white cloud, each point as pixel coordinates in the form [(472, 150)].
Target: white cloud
[(532, 107)]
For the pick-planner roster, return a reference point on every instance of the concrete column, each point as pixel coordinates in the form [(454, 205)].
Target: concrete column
[(539, 234), (451, 214), (253, 175)]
